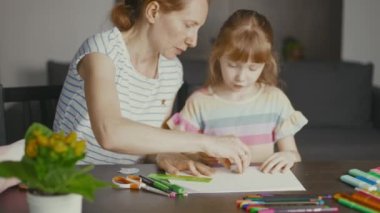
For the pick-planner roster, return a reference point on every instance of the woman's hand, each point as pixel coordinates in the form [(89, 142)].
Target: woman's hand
[(211, 161), (280, 162), (230, 148), (174, 163)]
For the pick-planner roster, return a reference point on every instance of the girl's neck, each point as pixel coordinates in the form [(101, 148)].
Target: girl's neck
[(143, 59), (236, 95)]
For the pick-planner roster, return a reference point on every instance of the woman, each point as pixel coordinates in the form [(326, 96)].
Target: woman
[(122, 83)]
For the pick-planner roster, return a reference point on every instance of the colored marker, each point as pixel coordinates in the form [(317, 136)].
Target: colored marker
[(366, 200), (353, 205), (155, 184), (180, 177), (357, 183), (254, 209), (302, 209), (376, 170), (283, 199), (152, 189), (370, 182), (374, 174), (173, 187), (286, 196), (357, 172), (375, 195), (274, 203)]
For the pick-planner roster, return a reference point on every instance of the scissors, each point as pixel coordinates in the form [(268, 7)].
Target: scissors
[(134, 182), (128, 182)]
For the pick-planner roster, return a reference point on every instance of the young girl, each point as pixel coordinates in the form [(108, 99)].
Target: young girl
[(241, 97)]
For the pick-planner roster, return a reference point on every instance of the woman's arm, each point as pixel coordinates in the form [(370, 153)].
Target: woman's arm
[(118, 134), (284, 159)]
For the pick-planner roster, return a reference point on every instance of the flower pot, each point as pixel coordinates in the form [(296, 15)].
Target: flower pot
[(54, 203)]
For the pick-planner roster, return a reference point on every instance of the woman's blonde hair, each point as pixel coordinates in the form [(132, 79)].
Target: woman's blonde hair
[(246, 35), (125, 14)]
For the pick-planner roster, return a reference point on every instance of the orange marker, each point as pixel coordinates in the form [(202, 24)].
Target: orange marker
[(366, 199)]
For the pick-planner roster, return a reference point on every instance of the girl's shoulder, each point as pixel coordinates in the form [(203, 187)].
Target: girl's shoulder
[(273, 91), (201, 92)]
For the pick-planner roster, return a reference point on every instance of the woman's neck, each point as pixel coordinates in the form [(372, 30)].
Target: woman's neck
[(144, 60)]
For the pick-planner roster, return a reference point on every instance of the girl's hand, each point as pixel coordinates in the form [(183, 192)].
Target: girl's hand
[(280, 162), (174, 163), (230, 148)]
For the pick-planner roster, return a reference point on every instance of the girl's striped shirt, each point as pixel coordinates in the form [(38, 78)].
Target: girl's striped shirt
[(264, 118), (142, 99)]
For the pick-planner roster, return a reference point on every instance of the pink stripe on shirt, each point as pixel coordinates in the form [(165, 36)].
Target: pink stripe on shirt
[(183, 124), (257, 139), (252, 129)]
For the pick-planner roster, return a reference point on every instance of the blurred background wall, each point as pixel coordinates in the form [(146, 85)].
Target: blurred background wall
[(33, 32)]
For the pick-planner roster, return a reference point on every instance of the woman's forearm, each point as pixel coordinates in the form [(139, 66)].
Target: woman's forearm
[(126, 136)]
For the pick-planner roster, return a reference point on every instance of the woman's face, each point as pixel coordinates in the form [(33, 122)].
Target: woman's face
[(174, 32)]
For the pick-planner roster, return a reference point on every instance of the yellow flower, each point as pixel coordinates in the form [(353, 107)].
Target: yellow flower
[(42, 140), (71, 138), (79, 148), (31, 148), (60, 147)]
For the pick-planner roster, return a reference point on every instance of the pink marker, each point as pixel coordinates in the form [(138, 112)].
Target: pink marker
[(376, 170)]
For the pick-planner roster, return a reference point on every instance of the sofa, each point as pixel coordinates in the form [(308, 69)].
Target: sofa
[(342, 106)]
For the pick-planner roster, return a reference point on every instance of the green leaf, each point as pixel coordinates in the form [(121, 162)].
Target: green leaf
[(24, 173), (52, 173), (86, 185), (37, 126)]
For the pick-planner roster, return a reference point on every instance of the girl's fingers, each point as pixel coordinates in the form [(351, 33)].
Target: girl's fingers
[(278, 167), (268, 167), (239, 164), (287, 167), (266, 162), (246, 161)]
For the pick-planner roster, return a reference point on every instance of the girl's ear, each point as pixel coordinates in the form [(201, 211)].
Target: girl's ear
[(152, 11)]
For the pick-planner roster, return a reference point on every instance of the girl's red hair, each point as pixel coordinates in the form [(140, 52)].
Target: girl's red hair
[(245, 36)]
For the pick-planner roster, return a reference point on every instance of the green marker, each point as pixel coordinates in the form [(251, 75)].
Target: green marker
[(374, 174), (357, 172), (173, 187), (355, 206), (180, 177)]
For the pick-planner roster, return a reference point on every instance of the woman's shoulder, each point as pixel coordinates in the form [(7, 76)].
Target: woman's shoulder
[(112, 34)]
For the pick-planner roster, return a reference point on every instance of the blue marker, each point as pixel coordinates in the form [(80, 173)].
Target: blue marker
[(357, 183), (370, 182)]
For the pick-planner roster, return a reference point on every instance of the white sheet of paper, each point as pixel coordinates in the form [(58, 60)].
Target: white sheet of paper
[(252, 180)]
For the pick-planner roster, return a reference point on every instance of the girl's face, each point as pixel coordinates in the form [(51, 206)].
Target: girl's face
[(239, 77), (174, 32)]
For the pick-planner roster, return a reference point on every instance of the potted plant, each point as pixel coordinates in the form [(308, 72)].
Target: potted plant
[(48, 169)]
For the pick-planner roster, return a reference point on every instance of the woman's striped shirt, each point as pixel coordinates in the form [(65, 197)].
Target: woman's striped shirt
[(142, 99)]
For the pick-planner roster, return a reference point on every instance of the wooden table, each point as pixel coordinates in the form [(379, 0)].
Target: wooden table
[(316, 177)]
